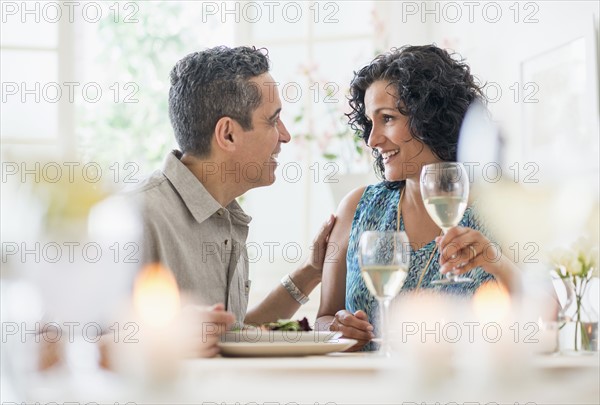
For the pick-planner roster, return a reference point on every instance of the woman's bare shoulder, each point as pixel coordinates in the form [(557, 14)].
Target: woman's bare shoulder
[(349, 203)]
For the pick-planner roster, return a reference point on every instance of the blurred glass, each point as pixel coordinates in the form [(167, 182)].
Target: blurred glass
[(77, 257), (21, 309)]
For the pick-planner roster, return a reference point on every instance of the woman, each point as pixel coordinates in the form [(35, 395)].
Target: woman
[(408, 106)]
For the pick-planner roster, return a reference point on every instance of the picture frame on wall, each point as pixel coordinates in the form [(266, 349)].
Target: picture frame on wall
[(560, 104)]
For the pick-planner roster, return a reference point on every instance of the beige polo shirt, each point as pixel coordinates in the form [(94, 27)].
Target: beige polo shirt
[(188, 231)]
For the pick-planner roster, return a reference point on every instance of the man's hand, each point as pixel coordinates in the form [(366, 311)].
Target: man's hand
[(206, 324), (319, 246)]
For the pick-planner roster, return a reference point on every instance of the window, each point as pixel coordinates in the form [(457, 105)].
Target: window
[(35, 64)]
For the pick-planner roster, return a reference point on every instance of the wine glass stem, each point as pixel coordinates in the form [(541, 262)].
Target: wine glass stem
[(449, 275), (384, 310)]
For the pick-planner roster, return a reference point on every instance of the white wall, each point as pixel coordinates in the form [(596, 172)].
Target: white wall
[(495, 51)]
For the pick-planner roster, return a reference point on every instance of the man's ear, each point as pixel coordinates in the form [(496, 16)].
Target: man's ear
[(224, 133)]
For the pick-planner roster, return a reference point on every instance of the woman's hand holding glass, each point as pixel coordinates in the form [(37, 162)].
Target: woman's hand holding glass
[(445, 192), (463, 249)]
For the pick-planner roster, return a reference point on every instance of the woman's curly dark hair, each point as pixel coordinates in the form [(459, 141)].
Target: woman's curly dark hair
[(434, 91)]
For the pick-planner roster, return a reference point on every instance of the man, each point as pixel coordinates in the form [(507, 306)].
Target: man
[(225, 112)]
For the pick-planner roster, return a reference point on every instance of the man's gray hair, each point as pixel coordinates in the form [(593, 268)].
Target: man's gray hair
[(209, 85)]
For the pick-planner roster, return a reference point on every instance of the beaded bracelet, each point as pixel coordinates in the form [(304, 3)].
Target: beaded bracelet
[(294, 291)]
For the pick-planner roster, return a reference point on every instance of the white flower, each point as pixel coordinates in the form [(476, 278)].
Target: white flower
[(587, 251), (574, 266), (560, 256), (567, 260), (578, 261), (593, 259)]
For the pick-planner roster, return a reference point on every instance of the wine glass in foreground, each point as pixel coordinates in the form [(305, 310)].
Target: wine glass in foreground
[(445, 192), (383, 257)]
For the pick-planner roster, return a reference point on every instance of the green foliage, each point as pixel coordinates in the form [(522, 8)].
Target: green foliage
[(138, 57)]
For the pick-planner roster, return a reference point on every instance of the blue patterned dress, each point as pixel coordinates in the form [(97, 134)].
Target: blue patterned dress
[(377, 211)]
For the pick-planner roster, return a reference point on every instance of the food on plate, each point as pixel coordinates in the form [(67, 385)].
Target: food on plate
[(288, 324), (301, 325)]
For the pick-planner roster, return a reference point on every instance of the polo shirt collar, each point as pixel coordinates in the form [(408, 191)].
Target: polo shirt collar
[(198, 200)]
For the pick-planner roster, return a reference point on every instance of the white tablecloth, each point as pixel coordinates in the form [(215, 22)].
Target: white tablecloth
[(339, 379)]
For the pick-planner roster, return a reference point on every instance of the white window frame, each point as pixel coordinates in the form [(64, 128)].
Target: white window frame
[(65, 140)]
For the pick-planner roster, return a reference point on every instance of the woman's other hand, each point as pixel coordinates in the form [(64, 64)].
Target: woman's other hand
[(354, 326)]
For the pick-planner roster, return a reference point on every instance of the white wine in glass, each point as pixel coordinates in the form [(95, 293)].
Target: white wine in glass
[(446, 212), (384, 281), (445, 192), (383, 257)]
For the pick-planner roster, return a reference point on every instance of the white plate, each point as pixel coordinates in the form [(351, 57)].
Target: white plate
[(255, 335), (284, 348)]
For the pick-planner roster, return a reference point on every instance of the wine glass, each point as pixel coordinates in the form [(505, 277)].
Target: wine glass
[(445, 192), (383, 257), (81, 276)]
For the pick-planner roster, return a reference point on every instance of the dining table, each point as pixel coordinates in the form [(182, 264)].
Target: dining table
[(336, 379), (367, 378)]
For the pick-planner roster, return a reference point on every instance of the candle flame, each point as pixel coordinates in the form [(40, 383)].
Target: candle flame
[(155, 295), (491, 302)]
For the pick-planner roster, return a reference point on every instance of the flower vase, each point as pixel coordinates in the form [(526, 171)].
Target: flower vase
[(578, 320)]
